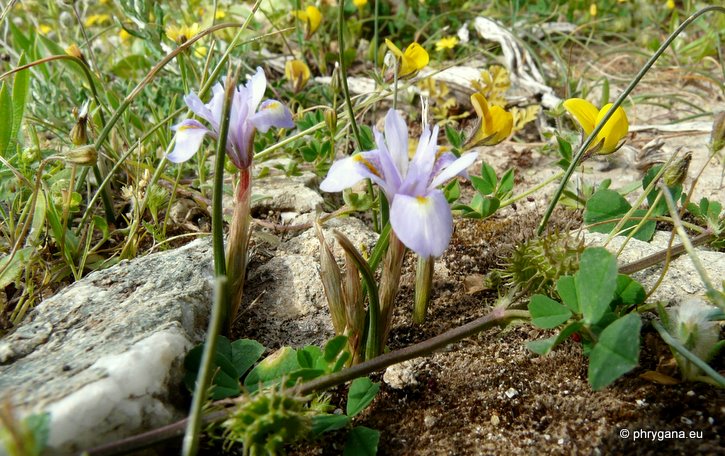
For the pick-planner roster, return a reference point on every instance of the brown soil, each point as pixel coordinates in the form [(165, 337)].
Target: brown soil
[(490, 395)]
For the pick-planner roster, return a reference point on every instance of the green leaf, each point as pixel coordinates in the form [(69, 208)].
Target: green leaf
[(244, 353), (366, 138), (661, 207), (616, 352), (308, 357), (334, 347), (326, 422), (225, 382), (544, 346), (629, 292), (361, 441), (454, 138), (271, 369), (547, 313), (595, 283), (21, 85), (6, 114), (486, 183), (130, 66), (506, 185), (361, 394), (567, 292), (452, 191), (606, 205), (11, 268)]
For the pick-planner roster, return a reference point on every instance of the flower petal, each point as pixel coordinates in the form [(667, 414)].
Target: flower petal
[(414, 59), (257, 85), (393, 48), (423, 223), (584, 112), (272, 113), (456, 168), (421, 167), (189, 135), (396, 138), (200, 109), (349, 171), (614, 130), (502, 122)]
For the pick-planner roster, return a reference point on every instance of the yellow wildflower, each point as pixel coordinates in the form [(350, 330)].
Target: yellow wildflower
[(312, 17), (412, 60), (124, 36), (220, 14), (297, 73), (360, 3), (201, 51), (182, 34), (44, 29), (447, 42), (74, 51), (609, 138), (494, 123), (97, 19), (670, 4), (593, 9)]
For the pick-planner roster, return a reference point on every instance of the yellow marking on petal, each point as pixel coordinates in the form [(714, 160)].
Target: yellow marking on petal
[(362, 160), (422, 199)]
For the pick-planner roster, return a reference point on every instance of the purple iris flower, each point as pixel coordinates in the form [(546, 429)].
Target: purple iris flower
[(419, 213), (244, 120)]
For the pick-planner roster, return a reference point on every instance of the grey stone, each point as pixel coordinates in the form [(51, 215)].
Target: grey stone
[(681, 280), (104, 356), (286, 194)]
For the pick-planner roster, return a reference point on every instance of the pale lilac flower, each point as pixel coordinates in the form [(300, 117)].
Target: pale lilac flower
[(419, 212), (244, 120)]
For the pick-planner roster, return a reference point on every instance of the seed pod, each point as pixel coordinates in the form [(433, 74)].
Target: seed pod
[(676, 173), (331, 120), (83, 156)]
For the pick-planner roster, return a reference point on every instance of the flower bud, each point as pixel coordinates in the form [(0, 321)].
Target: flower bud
[(331, 120), (676, 173), (74, 51), (83, 156), (79, 133), (717, 137), (335, 80)]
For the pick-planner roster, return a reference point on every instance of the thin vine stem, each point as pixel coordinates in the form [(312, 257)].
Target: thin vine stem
[(617, 103)]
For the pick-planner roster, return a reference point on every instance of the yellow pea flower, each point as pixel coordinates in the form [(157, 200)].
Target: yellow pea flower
[(181, 34), (360, 3), (124, 36), (593, 9), (44, 29), (609, 138), (494, 123), (671, 4), (312, 17), (97, 19), (297, 73), (412, 60), (448, 42)]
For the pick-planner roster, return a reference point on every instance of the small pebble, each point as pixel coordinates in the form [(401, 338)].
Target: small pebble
[(495, 420), (511, 393), (685, 420), (690, 393), (560, 441), (429, 421)]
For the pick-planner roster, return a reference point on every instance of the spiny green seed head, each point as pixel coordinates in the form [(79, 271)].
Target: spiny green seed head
[(537, 264), (265, 422)]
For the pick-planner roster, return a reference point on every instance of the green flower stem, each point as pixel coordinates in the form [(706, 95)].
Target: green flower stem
[(717, 298), (617, 103), (678, 347), (531, 191), (423, 286), (497, 316), (343, 72), (194, 422), (376, 17)]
